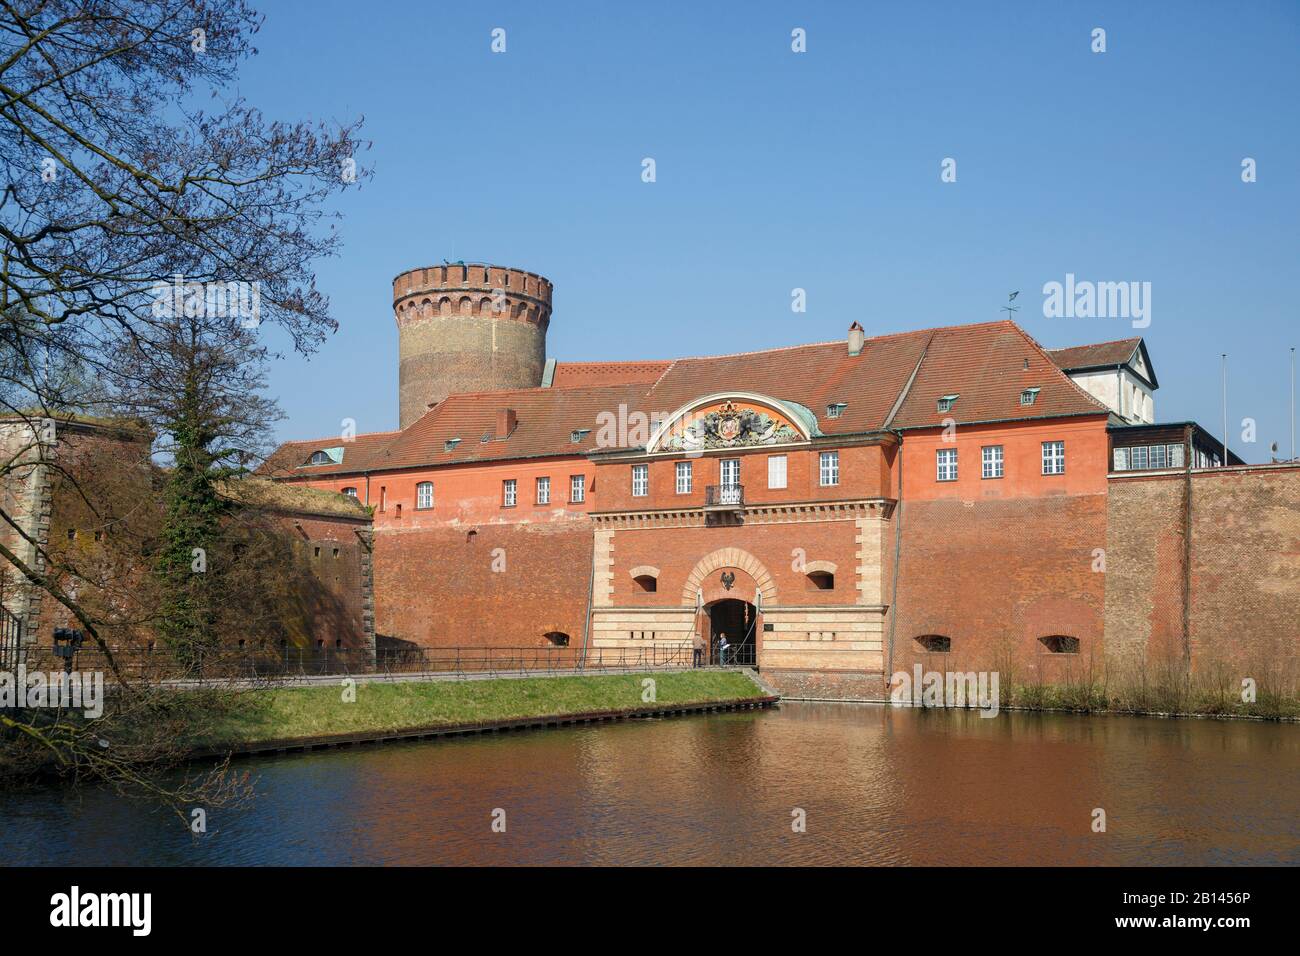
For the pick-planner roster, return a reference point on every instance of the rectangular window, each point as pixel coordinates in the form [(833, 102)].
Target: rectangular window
[(1159, 459), (544, 491), (776, 471), (577, 489), (1121, 459), (640, 481), (424, 494), (1176, 456), (729, 471), (683, 477), (830, 468), (946, 462), (992, 461), (508, 493), (1053, 457)]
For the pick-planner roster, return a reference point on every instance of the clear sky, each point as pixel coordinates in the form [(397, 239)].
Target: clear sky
[(819, 170)]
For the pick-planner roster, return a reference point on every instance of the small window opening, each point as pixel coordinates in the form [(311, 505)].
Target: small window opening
[(647, 582), (557, 638), (935, 643), (821, 581), (1060, 644)]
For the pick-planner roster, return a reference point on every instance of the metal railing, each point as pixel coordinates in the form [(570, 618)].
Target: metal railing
[(11, 639), (724, 496), (736, 655), (224, 663)]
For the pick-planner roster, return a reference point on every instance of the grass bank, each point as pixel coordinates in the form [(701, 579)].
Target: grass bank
[(283, 714), (1083, 698)]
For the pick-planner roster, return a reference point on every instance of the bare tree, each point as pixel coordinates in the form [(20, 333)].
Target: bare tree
[(150, 225)]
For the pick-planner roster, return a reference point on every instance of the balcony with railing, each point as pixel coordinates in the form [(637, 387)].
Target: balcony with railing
[(724, 497)]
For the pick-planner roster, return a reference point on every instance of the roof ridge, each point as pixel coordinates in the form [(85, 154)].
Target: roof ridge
[(538, 390), (313, 441), (869, 339), (1093, 345)]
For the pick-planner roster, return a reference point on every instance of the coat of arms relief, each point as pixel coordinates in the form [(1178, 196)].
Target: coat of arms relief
[(729, 427)]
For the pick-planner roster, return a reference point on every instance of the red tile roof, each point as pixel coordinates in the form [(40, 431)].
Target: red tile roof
[(546, 420), (987, 367), (1089, 356), (895, 382), (570, 374), (358, 455), (812, 375)]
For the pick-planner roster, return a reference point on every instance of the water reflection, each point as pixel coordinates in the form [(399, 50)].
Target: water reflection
[(879, 786)]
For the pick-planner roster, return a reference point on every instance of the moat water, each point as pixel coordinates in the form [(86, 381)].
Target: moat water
[(875, 786)]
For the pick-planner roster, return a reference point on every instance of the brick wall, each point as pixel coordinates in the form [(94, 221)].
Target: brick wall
[(437, 587), (335, 605), (95, 505), (994, 576), (1245, 569)]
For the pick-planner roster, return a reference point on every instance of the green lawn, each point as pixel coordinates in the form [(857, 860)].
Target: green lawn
[(290, 713)]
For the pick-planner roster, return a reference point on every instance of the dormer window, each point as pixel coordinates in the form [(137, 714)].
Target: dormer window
[(836, 409), (1029, 396), (320, 458), (450, 444), (578, 434), (945, 403)]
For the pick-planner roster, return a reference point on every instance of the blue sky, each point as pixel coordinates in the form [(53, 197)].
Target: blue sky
[(818, 170)]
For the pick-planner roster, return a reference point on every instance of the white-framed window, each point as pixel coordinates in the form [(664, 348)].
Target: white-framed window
[(508, 492), (830, 468), (729, 472), (320, 458), (577, 489), (1029, 396), (992, 461), (1053, 457), (1138, 457), (946, 464), (544, 491), (776, 471), (640, 481), (350, 492), (424, 494), (684, 477)]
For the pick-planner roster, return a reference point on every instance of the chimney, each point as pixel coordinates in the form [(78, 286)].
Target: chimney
[(506, 421), (856, 339)]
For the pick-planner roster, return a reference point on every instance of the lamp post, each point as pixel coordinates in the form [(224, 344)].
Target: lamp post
[(66, 644)]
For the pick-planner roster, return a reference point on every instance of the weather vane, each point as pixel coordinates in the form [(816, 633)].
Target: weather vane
[(1009, 308)]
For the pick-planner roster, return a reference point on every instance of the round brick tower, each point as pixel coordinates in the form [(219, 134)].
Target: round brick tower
[(468, 328)]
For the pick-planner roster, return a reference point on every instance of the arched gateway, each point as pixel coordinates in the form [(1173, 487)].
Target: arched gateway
[(758, 526)]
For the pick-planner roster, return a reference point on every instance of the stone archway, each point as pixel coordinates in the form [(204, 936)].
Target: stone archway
[(729, 558)]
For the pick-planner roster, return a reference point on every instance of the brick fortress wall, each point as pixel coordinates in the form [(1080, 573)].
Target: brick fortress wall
[(1244, 608)]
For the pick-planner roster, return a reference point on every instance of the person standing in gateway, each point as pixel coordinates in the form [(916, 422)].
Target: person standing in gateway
[(697, 641)]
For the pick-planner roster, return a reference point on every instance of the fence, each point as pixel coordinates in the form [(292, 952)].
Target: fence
[(161, 664), (11, 639)]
